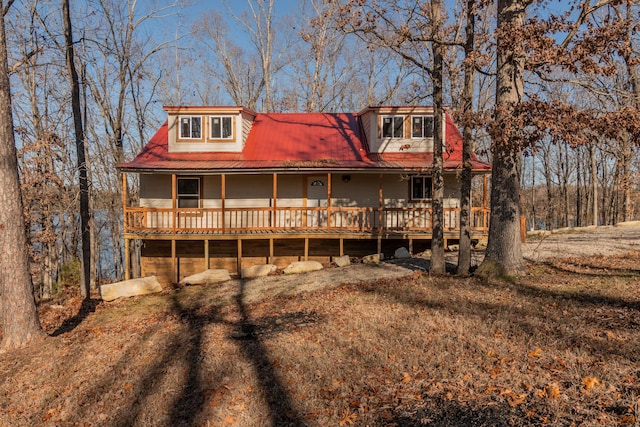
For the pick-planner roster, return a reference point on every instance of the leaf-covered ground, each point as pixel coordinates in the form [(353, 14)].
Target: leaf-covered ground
[(559, 346)]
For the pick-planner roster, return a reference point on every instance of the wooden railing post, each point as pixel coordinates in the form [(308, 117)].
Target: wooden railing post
[(273, 222), (174, 200), (125, 222), (223, 184), (381, 204)]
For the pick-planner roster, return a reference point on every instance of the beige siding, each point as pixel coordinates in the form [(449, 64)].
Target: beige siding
[(372, 125), (359, 190), (366, 125), (247, 122), (242, 122), (211, 191), (155, 191), (248, 191), (290, 190)]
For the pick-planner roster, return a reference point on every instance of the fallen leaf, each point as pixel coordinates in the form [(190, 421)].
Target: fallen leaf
[(627, 419), (406, 377), (589, 383), (535, 353), (553, 391), (516, 399), (348, 418)]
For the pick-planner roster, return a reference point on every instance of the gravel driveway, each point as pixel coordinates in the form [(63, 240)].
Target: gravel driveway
[(586, 241)]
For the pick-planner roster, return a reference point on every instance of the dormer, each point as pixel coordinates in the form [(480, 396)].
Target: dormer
[(399, 129), (208, 128)]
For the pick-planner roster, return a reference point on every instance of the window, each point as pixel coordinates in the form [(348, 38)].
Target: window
[(421, 187), (188, 192), (392, 126), (422, 127), (190, 127), (221, 127)]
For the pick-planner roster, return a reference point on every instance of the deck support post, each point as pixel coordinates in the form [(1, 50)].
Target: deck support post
[(174, 262), (306, 248), (127, 260), (380, 244), (341, 246), (239, 258), (410, 246), (270, 260), (207, 260), (328, 200)]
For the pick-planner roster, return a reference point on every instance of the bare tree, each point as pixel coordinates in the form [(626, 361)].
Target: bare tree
[(413, 32), (83, 180), (19, 316), (248, 75), (464, 254)]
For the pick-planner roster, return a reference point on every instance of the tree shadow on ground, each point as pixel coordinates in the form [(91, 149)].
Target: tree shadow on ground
[(87, 307), (438, 412), (187, 347), (281, 410), (585, 267), (563, 329)]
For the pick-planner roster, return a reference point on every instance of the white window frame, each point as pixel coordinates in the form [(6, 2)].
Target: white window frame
[(190, 136), (220, 127), (422, 126), (426, 190), (393, 127), (188, 196)]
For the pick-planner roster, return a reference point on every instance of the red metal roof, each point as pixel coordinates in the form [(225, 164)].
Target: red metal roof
[(297, 141)]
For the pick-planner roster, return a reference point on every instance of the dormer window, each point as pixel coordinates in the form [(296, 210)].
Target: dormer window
[(190, 127), (221, 127), (422, 127), (393, 126)]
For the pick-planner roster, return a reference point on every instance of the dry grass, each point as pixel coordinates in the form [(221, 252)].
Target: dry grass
[(559, 346)]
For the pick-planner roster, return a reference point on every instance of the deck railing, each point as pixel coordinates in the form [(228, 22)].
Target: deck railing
[(302, 219)]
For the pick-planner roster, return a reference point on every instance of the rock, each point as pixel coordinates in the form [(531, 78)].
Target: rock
[(342, 261), (130, 288), (402, 253), (453, 248), (373, 259), (207, 277), (302, 267), (257, 271)]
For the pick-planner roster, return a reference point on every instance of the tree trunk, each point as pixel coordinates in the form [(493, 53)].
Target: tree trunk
[(85, 232), (594, 183), (437, 239), (19, 317), (464, 254), (504, 253), (550, 217), (578, 187)]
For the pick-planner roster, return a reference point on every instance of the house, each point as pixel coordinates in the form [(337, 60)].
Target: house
[(229, 187)]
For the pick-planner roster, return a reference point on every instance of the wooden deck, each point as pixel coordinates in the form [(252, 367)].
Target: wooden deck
[(173, 236), (324, 222)]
